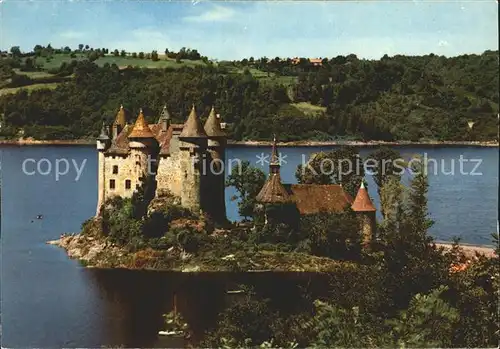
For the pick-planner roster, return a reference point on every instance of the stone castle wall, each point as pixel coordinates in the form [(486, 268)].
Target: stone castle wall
[(169, 175), (127, 170), (185, 172)]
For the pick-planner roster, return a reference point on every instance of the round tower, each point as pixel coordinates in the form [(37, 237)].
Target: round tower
[(103, 143), (143, 149), (216, 156), (165, 119), (273, 192), (193, 159), (366, 211), (120, 122)]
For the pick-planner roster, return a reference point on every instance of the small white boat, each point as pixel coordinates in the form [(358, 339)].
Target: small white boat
[(170, 333), (235, 291)]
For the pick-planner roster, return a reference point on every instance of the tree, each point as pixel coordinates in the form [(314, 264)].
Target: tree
[(428, 322), (80, 47), (166, 52), (141, 55), (334, 235), (123, 53), (343, 166), (93, 56), (248, 181), (134, 54), (143, 196), (29, 65), (385, 163), (87, 47), (392, 202), (116, 53), (417, 208), (15, 51), (413, 263), (154, 56), (37, 50)]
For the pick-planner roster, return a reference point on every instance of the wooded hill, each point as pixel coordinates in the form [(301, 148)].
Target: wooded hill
[(396, 98)]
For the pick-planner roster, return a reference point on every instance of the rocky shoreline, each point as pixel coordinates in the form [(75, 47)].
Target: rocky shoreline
[(98, 253), (86, 142)]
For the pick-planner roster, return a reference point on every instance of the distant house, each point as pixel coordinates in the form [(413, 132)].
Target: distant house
[(317, 62)]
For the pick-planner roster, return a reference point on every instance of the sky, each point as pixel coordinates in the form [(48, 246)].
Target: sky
[(235, 30)]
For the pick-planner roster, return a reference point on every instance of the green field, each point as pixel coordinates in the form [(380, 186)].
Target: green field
[(265, 77), (56, 60), (29, 88), (308, 108), (34, 74)]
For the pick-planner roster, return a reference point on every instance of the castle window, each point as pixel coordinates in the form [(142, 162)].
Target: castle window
[(128, 184), (115, 169), (111, 184)]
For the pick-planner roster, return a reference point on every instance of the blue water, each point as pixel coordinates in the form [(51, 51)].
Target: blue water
[(461, 205), (51, 301)]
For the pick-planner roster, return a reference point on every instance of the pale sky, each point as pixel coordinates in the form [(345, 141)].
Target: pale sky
[(234, 30)]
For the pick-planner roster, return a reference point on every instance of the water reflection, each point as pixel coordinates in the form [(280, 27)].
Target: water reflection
[(135, 301)]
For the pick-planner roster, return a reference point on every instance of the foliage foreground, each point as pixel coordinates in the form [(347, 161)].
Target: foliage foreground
[(399, 291)]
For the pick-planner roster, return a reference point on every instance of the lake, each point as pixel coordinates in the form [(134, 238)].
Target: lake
[(51, 301)]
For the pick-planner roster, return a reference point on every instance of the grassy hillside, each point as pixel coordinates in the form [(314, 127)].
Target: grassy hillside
[(396, 98), (56, 60), (29, 88), (46, 74)]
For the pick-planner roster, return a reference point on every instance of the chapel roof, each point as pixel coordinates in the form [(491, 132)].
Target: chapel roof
[(273, 191), (316, 198)]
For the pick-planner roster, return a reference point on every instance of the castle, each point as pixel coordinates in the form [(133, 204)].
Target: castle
[(174, 156), (187, 160), (317, 198)]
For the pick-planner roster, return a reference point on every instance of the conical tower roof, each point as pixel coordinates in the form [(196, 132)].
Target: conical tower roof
[(141, 128), (120, 118), (273, 191), (362, 202), (212, 126), (164, 113), (104, 133), (192, 127)]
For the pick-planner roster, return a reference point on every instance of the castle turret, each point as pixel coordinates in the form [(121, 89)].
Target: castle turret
[(273, 191), (103, 143), (366, 211), (165, 119), (143, 148), (217, 157), (193, 148), (120, 122)]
